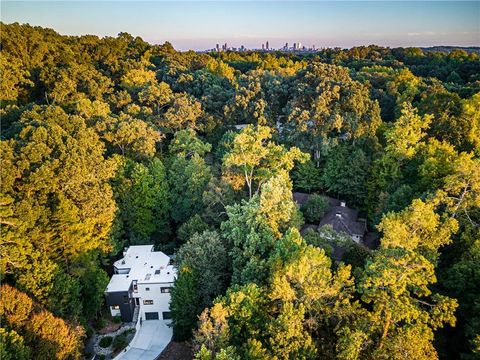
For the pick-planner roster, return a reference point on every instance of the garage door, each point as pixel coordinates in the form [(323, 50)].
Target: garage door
[(151, 316)]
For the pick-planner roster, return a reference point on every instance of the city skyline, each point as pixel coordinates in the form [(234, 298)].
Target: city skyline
[(200, 25)]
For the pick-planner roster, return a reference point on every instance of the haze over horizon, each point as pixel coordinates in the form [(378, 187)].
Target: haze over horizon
[(200, 25)]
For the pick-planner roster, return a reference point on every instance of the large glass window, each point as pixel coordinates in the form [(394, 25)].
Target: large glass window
[(147, 302)]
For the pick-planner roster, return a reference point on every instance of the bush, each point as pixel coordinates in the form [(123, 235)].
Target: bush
[(120, 342), (356, 255), (105, 341), (88, 331), (99, 324), (314, 209), (117, 319), (192, 226), (313, 238)]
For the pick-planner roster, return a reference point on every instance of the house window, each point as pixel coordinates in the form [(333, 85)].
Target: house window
[(165, 289), (147, 289), (125, 299), (147, 302), (135, 287)]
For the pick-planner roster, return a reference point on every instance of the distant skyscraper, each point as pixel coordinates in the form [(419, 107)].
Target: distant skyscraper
[(294, 46), (267, 45), (263, 47), (217, 47), (286, 46)]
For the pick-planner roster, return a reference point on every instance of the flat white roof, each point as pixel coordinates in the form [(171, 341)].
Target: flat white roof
[(143, 265)]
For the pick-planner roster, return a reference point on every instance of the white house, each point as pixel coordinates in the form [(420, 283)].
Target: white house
[(142, 278)]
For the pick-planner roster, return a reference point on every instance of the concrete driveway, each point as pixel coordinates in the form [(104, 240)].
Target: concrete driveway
[(149, 341)]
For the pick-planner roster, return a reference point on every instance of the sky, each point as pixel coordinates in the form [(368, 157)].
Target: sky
[(199, 25)]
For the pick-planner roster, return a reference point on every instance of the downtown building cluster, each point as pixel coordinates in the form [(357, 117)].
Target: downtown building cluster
[(265, 47)]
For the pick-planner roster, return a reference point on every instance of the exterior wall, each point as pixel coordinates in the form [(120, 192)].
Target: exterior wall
[(118, 299), (161, 301)]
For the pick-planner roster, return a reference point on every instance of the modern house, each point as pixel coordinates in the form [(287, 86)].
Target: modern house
[(143, 278)]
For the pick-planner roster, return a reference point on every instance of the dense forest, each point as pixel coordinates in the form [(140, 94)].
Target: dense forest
[(110, 142)]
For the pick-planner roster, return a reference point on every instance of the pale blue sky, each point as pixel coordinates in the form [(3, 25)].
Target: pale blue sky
[(200, 25)]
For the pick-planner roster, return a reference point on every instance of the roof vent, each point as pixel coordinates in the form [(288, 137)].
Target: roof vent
[(123, 262), (151, 267), (136, 257), (338, 215), (343, 204), (157, 272)]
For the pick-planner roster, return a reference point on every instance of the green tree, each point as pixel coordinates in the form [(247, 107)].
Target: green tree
[(12, 346), (93, 281), (183, 305), (132, 137), (204, 263), (62, 207), (187, 179), (307, 177), (184, 113), (157, 95), (142, 194), (253, 227), (185, 143), (314, 209), (194, 225), (253, 159), (46, 336), (346, 172)]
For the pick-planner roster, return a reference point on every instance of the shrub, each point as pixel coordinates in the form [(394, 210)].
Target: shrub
[(117, 319), (313, 238), (314, 209), (88, 331), (356, 255), (120, 342), (192, 226), (105, 341), (99, 324)]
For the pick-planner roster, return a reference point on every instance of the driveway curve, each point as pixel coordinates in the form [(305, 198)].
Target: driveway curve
[(151, 338)]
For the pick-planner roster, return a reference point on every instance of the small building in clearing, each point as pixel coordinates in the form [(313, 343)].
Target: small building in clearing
[(344, 219), (143, 278), (339, 216)]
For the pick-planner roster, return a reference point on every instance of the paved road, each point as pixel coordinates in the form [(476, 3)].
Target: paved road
[(149, 341)]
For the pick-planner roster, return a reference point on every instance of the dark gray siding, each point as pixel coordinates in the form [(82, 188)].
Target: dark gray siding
[(118, 298)]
